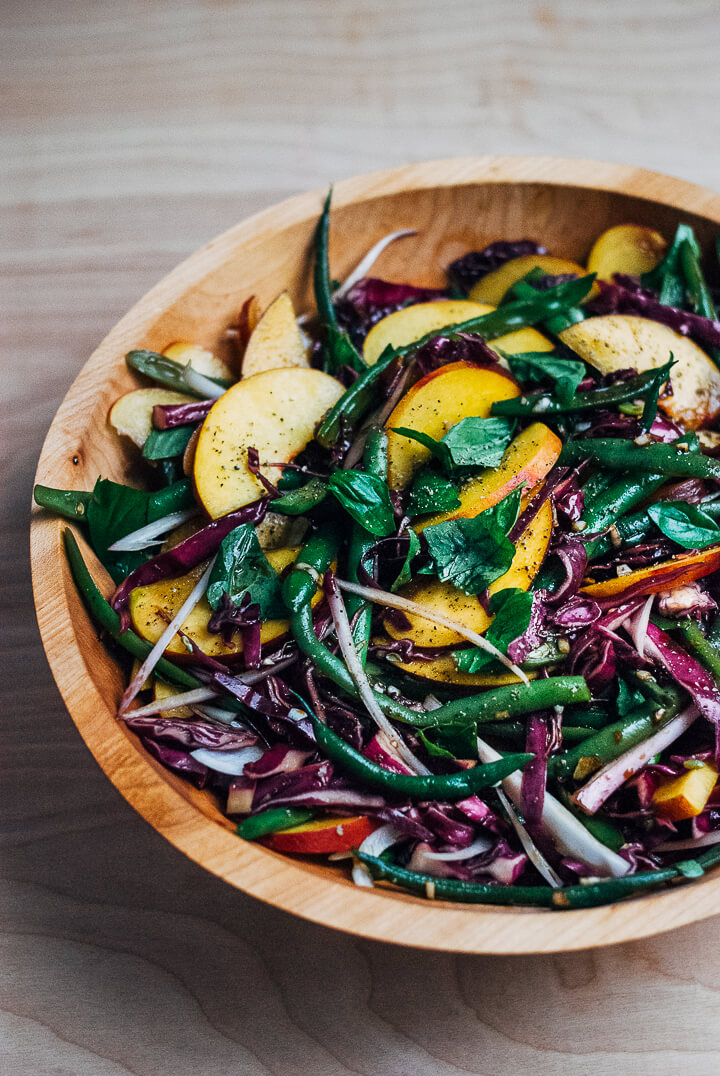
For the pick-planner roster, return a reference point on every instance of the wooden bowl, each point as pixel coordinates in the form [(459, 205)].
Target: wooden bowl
[(455, 205)]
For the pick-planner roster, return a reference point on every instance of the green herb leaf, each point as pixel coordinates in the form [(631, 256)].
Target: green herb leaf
[(241, 567), (115, 510), (511, 609), (165, 444), (684, 523), (432, 493), (667, 278), (450, 741), (366, 498), (472, 553), (478, 442), (405, 574), (535, 367), (439, 451)]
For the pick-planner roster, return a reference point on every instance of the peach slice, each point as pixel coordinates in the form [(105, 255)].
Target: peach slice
[(444, 598), (153, 606), (276, 340), (521, 340), (492, 288), (527, 460), (623, 341), (275, 412), (323, 836), (131, 415), (683, 569), (626, 248), (200, 359), (436, 403), (413, 322), (443, 670)]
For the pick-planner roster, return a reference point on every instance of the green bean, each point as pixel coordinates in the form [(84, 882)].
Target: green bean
[(610, 743), (167, 372), (699, 294), (508, 701), (515, 315), (545, 406), (272, 820), (601, 829), (354, 401), (515, 731), (105, 616), (339, 348), (452, 889), (447, 786), (69, 503), (299, 501), (656, 459), (314, 559), (361, 541), (698, 642), (609, 890)]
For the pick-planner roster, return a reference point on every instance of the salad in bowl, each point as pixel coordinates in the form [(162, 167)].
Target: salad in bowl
[(425, 581)]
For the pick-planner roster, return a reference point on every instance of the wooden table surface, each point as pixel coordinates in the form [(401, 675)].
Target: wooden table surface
[(133, 132)]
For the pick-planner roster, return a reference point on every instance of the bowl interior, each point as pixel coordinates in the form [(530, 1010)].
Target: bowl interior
[(455, 207)]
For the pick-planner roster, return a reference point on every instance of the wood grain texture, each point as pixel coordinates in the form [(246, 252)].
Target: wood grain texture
[(132, 133)]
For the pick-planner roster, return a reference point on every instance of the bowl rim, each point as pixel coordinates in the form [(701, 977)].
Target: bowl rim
[(379, 914)]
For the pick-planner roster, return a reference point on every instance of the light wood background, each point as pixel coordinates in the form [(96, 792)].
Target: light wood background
[(132, 132)]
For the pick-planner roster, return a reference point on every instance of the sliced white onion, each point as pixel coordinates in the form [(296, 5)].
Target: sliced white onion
[(230, 762), (602, 784), (147, 535), (375, 844), (218, 713), (187, 698), (394, 601), (363, 267), (639, 626), (199, 383), (682, 846), (478, 846), (533, 852), (568, 832), (136, 684), (363, 685)]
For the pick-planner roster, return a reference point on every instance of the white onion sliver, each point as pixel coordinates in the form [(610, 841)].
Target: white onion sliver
[(359, 676), (602, 784), (217, 713), (200, 383), (478, 846), (361, 269), (230, 762), (156, 653), (145, 536), (375, 844), (682, 846), (394, 601), (361, 876), (533, 852), (640, 624), (187, 698), (568, 832)]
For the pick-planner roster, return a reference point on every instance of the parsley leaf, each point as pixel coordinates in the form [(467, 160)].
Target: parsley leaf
[(366, 498), (684, 523), (241, 567), (472, 553)]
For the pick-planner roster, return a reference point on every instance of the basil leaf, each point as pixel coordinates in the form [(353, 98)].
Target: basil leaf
[(684, 523), (405, 574), (629, 700), (472, 553), (667, 278), (164, 444), (115, 510), (450, 741), (534, 367), (511, 609), (439, 451), (241, 567), (432, 493), (478, 442), (366, 498)]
